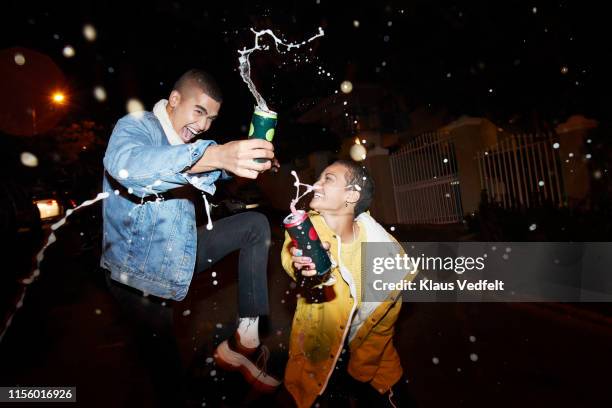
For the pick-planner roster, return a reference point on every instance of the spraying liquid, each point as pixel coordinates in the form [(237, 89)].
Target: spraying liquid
[(245, 66), (297, 198), (309, 188), (41, 255), (52, 238)]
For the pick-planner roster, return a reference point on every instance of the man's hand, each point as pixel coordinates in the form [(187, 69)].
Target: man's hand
[(275, 166), (304, 264), (237, 157)]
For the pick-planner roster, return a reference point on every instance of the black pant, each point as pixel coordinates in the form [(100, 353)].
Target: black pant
[(152, 317), (250, 233), (151, 322)]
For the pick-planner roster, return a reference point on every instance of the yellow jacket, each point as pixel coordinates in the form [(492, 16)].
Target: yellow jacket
[(319, 329)]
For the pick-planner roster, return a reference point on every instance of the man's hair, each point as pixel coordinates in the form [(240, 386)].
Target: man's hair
[(200, 79), (357, 175)]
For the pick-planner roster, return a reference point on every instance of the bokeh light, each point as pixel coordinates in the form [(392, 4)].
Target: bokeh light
[(28, 159), (68, 51), (346, 87), (358, 152), (99, 93), (89, 32), (19, 59)]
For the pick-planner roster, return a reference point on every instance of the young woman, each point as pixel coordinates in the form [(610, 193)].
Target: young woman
[(321, 328)]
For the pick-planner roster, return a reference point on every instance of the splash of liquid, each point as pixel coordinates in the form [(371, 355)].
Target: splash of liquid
[(309, 189), (52, 238), (245, 66), (297, 198), (41, 255), (209, 224)]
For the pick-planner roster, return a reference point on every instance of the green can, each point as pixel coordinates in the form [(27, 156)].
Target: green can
[(263, 125)]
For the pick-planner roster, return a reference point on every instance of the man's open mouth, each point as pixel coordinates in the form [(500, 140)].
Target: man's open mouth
[(188, 133)]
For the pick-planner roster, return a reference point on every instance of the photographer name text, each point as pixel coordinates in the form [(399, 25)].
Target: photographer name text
[(431, 286)]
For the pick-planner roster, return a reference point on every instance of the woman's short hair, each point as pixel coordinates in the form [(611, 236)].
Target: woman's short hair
[(357, 175)]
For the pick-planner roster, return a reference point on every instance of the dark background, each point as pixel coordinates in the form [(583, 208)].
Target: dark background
[(503, 61), (442, 55)]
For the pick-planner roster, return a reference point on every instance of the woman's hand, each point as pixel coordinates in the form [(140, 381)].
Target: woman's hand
[(304, 264)]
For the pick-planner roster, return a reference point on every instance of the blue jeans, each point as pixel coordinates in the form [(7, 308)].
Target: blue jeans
[(248, 232)]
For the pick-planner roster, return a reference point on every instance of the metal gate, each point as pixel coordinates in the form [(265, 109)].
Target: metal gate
[(425, 181), (522, 171)]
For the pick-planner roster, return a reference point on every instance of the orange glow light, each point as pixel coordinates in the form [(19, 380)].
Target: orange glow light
[(58, 98)]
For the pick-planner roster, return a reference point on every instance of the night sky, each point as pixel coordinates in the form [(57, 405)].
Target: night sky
[(532, 63)]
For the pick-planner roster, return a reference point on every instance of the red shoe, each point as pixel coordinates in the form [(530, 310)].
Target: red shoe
[(251, 362)]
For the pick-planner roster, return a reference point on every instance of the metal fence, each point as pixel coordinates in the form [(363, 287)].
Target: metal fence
[(425, 182), (522, 171)]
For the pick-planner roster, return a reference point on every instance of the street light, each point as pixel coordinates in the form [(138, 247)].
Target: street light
[(58, 98)]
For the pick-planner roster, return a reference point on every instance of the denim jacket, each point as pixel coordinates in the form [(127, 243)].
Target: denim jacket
[(150, 236)]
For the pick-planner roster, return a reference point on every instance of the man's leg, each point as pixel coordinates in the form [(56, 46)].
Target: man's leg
[(152, 322), (250, 233)]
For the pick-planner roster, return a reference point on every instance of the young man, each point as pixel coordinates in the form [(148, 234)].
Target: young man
[(342, 195), (151, 244)]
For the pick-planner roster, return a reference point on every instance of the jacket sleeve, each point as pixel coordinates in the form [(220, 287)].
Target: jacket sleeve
[(136, 163), (286, 257), (374, 358), (389, 368)]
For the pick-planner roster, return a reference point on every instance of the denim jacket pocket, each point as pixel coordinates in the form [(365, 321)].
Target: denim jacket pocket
[(135, 218)]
